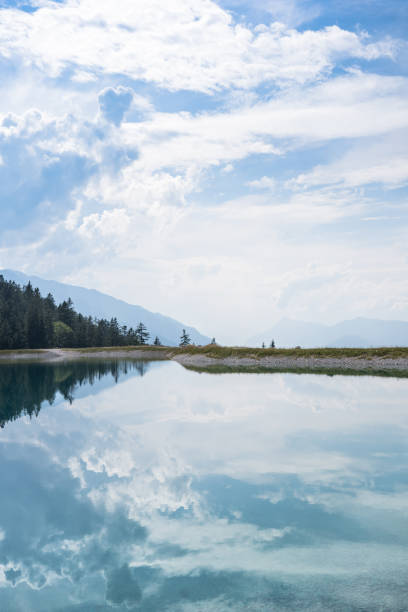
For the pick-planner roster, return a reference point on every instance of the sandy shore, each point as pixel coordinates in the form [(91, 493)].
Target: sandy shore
[(55, 355)]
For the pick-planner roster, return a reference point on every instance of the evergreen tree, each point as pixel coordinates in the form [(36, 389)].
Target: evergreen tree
[(142, 335), (34, 320), (27, 320), (185, 339), (28, 291), (91, 331), (123, 334), (131, 337), (49, 318), (263, 344), (81, 332), (102, 333), (114, 332), (12, 316), (66, 313), (273, 344), (157, 341)]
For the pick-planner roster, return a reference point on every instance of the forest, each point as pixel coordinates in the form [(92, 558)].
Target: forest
[(28, 320)]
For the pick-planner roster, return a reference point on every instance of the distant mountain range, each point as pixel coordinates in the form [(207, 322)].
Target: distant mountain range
[(96, 304), (360, 332)]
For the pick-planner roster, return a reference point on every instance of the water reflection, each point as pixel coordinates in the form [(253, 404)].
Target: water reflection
[(25, 387), (182, 492)]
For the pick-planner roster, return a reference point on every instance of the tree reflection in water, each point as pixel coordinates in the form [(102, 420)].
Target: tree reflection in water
[(25, 387)]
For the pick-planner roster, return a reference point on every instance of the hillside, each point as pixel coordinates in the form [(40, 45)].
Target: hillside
[(100, 305)]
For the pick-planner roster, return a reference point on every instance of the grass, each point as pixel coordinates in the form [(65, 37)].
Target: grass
[(125, 349), (221, 352), (223, 369), (11, 355), (93, 349), (21, 351), (224, 352)]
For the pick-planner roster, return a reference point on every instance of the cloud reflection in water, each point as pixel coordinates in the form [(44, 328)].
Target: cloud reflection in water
[(190, 493)]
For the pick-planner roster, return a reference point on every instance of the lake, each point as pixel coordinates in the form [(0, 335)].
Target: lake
[(144, 486)]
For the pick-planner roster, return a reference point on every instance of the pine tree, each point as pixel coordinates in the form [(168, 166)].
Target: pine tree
[(27, 320), (50, 310), (34, 320), (185, 339), (263, 344), (12, 316), (142, 335), (66, 313), (105, 332), (273, 344), (114, 332), (131, 337), (157, 341)]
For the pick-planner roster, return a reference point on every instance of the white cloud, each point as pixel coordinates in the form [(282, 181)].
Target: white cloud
[(352, 106), (133, 204), (265, 182), (292, 12), (194, 262), (184, 44), (383, 161), (109, 223)]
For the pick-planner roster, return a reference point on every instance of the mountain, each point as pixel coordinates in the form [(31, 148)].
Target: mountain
[(359, 332), (103, 306)]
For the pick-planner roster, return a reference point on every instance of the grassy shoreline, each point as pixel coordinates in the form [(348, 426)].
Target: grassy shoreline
[(213, 359), (223, 352), (326, 371)]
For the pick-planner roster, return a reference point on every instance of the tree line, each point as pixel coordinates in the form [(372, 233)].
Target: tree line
[(28, 320)]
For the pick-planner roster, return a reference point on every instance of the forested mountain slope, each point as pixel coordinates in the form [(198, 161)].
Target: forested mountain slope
[(90, 302)]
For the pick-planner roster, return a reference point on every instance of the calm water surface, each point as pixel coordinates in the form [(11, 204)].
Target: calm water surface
[(144, 486)]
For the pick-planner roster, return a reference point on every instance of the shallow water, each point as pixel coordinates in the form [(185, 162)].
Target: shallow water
[(148, 487)]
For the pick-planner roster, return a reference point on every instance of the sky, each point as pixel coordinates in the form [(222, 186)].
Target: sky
[(226, 163)]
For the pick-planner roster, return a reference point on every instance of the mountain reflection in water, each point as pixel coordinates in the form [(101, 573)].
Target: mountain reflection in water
[(186, 492)]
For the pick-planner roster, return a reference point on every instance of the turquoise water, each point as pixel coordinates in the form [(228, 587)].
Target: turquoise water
[(147, 487)]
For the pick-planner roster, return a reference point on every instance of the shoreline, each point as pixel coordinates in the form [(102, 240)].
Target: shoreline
[(352, 365), (61, 355), (225, 359)]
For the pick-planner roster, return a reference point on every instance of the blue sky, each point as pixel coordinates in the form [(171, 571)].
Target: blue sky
[(206, 159)]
